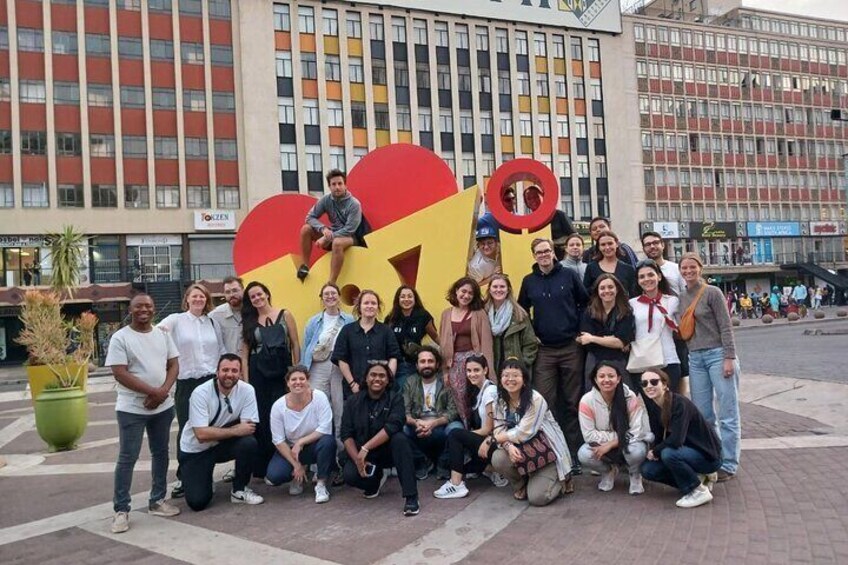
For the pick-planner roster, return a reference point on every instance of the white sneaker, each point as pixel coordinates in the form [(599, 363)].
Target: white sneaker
[(163, 508), (295, 488), (120, 523), (636, 484), (701, 495), (450, 490), (321, 493), (229, 476), (246, 496), (709, 481), (608, 479), (497, 479)]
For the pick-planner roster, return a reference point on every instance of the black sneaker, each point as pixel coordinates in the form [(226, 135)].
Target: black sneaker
[(302, 272), (411, 507), (576, 468), (374, 494), (422, 472)]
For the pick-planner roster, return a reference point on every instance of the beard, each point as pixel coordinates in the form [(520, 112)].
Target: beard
[(427, 372)]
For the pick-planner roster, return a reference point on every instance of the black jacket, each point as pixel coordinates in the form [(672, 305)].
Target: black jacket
[(686, 427), (362, 418), (556, 300)]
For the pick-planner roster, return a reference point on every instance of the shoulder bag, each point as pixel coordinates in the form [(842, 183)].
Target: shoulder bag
[(537, 452), (686, 328)]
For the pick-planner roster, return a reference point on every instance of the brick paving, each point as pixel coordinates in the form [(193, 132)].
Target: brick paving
[(761, 422)]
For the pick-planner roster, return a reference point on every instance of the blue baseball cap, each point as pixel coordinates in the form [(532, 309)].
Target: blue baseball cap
[(485, 231)]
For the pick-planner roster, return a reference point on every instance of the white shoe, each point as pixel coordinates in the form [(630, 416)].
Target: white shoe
[(246, 496), (163, 508), (497, 479), (450, 490), (295, 488), (709, 481), (121, 522), (636, 486), (322, 495), (608, 479), (701, 495)]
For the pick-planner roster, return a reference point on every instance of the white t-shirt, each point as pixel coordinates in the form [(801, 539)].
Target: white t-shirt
[(146, 356), (671, 272), (204, 404), (288, 425), (487, 395), (429, 408), (481, 267), (640, 314), (328, 330)]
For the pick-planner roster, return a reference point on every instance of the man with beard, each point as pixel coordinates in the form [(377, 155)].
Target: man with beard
[(431, 414), (654, 248), (228, 315), (222, 419)]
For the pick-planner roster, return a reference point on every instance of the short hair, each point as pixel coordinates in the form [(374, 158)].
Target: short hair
[(575, 236), (229, 357), (650, 234), (297, 369), (432, 350), (356, 306), (539, 240), (231, 280), (197, 286), (333, 173), (600, 219)]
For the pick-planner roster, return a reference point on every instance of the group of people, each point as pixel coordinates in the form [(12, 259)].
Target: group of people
[(778, 303), (583, 367)]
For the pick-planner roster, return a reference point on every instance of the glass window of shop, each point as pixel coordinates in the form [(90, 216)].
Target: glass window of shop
[(20, 266), (105, 259), (154, 258)]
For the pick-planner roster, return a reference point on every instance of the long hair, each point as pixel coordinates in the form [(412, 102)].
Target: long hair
[(250, 315), (526, 394), (519, 314), (663, 286), (396, 312), (619, 418), (477, 295), (665, 407), (596, 305), (471, 390), (196, 286), (619, 252)]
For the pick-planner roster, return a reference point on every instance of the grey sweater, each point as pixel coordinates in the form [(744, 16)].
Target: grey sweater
[(344, 213), (712, 320)]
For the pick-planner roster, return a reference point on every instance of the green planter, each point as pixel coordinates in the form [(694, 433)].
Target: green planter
[(61, 416)]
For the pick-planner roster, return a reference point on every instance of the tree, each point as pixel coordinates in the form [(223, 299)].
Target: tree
[(66, 250)]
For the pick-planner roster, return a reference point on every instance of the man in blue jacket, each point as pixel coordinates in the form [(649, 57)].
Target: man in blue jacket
[(554, 297)]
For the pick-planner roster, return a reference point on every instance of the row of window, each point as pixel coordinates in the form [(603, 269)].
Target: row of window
[(36, 195), (34, 91), (219, 9), (688, 212), (741, 44), (103, 145), (808, 30), (441, 33), (721, 178), (742, 145)]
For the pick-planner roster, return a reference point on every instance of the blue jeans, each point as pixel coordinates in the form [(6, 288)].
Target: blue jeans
[(322, 453), (130, 433), (679, 467), (706, 379), (433, 446)]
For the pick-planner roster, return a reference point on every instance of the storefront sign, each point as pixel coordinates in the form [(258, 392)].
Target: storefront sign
[(668, 230), (600, 15), (820, 229), (153, 240), (712, 230), (22, 241), (774, 229), (215, 220)]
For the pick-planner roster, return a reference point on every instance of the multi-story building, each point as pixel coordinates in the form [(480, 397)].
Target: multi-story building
[(742, 161)]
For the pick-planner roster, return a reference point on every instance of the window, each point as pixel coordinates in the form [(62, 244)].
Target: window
[(198, 197), (159, 5), (398, 30), (70, 195), (560, 86), (579, 90), (102, 145), (562, 127), (482, 39), (375, 27), (33, 142), (165, 147), (288, 158), (68, 144), (545, 125), (358, 115), (378, 71), (282, 17), (540, 45), (221, 55), (576, 48), (306, 19), (135, 146), (521, 47), (104, 196), (506, 124), (310, 113), (401, 73), (285, 110), (284, 64), (462, 40), (580, 126), (162, 49), (419, 32), (66, 93), (404, 118), (228, 197), (219, 9), (30, 39), (381, 116), (308, 65), (32, 91), (425, 119), (464, 79), (97, 45), (442, 39), (501, 40), (224, 102), (194, 100), (443, 76), (163, 98), (136, 196), (523, 79), (192, 53), (594, 50), (422, 75), (167, 197), (129, 47), (35, 195), (525, 124), (353, 23), (542, 85), (484, 78), (196, 148), (333, 67), (64, 43), (335, 114), (466, 122), (445, 121), (355, 70), (7, 196), (5, 142), (190, 7), (132, 96), (98, 94)]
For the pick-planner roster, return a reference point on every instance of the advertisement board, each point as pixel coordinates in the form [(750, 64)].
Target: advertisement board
[(820, 229), (712, 230), (215, 220), (774, 229)]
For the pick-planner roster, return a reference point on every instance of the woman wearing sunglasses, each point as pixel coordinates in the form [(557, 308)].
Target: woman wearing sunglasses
[(686, 453)]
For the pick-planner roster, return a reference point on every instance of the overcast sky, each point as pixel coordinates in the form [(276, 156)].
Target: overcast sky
[(831, 9)]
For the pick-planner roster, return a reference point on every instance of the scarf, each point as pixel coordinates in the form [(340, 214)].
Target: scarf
[(500, 318), (656, 302)]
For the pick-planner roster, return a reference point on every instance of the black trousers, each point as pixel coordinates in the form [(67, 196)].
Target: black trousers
[(396, 453), (182, 396), (461, 442), (198, 467)]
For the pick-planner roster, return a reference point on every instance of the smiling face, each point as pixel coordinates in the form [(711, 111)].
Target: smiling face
[(690, 270), (298, 382), (258, 297), (607, 291), (369, 306), (653, 247), (544, 254), (512, 380), (234, 294), (476, 373), (608, 246), (377, 380), (338, 188), (229, 373), (607, 379), (533, 198), (464, 295), (653, 386), (648, 280), (142, 309), (330, 297), (426, 364), (196, 301), (574, 247), (488, 246), (406, 299), (597, 228), (498, 290)]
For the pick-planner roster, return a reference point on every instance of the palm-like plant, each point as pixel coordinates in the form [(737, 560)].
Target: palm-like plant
[(66, 250)]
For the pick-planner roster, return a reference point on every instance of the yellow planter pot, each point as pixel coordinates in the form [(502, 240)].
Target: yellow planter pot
[(40, 375)]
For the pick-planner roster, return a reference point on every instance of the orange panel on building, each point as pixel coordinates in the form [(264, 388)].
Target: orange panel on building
[(33, 117), (563, 145), (30, 65), (191, 29), (63, 17), (69, 170), (194, 124), (360, 137), (28, 14), (577, 68), (220, 32), (310, 88), (337, 138), (165, 123), (162, 74), (307, 42), (580, 106), (222, 79), (129, 23), (65, 68), (99, 69), (193, 77), (66, 118), (197, 171), (545, 145), (167, 171), (6, 168), (131, 72), (33, 168), (102, 170), (226, 173), (135, 171), (96, 20), (161, 26), (594, 69), (334, 90), (562, 106), (282, 40), (100, 120), (133, 121), (225, 125)]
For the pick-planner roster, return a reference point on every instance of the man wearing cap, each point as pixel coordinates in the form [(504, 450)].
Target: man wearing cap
[(561, 226), (486, 260)]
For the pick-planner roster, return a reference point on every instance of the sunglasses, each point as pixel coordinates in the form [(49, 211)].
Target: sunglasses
[(652, 382)]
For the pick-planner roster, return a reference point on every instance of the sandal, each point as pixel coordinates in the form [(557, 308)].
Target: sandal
[(521, 493)]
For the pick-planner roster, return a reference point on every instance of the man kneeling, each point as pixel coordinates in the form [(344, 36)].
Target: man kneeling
[(221, 422)]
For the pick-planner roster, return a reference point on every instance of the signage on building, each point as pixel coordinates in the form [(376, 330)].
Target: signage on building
[(774, 229), (668, 230), (826, 228), (153, 240), (22, 241), (597, 15), (215, 220), (712, 230)]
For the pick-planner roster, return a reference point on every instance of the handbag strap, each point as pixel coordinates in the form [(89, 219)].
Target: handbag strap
[(690, 311)]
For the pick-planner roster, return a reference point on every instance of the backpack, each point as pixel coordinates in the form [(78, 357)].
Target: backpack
[(273, 358)]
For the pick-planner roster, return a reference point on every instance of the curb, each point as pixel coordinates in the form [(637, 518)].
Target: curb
[(784, 322)]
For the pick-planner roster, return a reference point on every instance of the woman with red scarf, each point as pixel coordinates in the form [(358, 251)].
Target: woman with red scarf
[(655, 311)]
